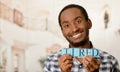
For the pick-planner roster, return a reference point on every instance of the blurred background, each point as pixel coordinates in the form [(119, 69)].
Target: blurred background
[(29, 31)]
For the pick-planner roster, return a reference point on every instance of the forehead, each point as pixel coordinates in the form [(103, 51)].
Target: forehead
[(72, 10), (70, 13)]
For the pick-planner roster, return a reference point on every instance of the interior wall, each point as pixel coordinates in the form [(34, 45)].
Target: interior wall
[(104, 39)]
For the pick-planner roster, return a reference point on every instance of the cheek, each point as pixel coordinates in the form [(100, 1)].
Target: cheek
[(65, 33), (84, 27), (86, 32)]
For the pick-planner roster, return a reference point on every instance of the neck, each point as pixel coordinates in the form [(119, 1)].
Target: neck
[(87, 44)]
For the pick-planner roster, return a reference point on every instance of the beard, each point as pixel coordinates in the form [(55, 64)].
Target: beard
[(79, 43)]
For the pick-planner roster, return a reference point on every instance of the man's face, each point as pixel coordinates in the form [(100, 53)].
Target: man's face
[(74, 26)]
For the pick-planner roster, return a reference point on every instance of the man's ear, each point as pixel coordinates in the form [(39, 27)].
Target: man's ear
[(89, 24)]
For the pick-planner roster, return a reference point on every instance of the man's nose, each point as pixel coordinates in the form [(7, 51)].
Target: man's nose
[(74, 28)]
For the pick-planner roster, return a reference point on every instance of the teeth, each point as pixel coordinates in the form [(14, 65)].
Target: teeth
[(77, 35)]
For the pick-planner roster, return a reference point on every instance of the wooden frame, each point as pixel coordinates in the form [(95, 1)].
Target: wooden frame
[(18, 17), (6, 12)]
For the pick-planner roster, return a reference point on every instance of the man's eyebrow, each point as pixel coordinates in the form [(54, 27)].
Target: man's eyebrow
[(64, 22), (78, 17), (74, 19)]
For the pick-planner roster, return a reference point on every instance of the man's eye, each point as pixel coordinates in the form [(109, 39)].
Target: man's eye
[(78, 21), (66, 26)]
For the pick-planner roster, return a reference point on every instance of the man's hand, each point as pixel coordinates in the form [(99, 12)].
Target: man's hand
[(65, 63), (91, 64)]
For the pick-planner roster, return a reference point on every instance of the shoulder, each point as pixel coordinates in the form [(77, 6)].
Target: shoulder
[(51, 63), (53, 56), (105, 57), (108, 62)]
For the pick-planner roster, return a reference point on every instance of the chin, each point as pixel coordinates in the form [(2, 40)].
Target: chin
[(77, 43)]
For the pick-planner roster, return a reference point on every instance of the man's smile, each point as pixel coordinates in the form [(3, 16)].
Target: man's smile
[(76, 35)]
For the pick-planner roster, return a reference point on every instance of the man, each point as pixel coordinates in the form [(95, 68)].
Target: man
[(75, 25)]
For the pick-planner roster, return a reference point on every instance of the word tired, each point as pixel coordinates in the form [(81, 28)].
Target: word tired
[(81, 52)]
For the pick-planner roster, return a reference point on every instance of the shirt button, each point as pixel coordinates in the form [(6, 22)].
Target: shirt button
[(80, 66)]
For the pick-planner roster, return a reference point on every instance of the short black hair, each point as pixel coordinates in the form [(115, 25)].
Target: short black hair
[(84, 12)]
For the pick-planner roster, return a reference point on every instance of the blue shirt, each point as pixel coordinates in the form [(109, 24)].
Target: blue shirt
[(108, 63)]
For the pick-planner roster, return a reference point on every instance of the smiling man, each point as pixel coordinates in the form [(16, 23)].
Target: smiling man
[(75, 25)]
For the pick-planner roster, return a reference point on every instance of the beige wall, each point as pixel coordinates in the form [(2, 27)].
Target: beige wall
[(35, 13)]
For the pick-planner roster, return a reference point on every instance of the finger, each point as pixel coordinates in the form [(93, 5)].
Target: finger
[(85, 62), (68, 62), (69, 65), (96, 64), (87, 65), (67, 56), (88, 57), (91, 63), (66, 67), (64, 60), (92, 59), (64, 57), (96, 61), (90, 68)]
